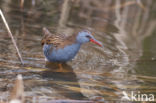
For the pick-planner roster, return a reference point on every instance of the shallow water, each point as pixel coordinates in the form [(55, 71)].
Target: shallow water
[(125, 63)]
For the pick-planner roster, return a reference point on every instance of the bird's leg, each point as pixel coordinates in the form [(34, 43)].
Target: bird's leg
[(60, 67)]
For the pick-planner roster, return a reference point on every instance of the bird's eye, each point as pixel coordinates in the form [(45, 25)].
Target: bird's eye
[(88, 36)]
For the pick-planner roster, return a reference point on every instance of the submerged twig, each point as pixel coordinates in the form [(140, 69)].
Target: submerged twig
[(22, 3), (17, 94), (13, 40)]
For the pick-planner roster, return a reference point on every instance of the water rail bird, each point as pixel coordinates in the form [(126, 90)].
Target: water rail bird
[(61, 48)]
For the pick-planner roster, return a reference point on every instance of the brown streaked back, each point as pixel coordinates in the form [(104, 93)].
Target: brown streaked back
[(59, 41)]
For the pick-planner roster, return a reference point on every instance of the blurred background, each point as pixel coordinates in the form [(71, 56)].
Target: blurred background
[(127, 62)]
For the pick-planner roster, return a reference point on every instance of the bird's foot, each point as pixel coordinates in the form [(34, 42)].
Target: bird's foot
[(61, 69)]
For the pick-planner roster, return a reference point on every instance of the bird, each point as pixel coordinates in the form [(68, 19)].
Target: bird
[(61, 48)]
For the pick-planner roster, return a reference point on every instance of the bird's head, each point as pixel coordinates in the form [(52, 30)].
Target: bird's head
[(85, 36)]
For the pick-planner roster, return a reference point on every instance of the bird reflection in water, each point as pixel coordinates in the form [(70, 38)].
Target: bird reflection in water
[(63, 81)]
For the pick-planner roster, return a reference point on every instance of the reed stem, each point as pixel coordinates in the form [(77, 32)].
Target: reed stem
[(12, 38)]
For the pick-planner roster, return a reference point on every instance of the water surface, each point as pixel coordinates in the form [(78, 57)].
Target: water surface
[(125, 63)]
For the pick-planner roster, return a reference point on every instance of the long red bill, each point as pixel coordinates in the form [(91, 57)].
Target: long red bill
[(95, 42)]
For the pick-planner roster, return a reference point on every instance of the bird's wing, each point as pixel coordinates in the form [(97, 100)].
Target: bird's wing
[(55, 40)]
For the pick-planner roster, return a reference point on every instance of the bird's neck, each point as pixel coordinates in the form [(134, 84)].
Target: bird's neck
[(73, 39)]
